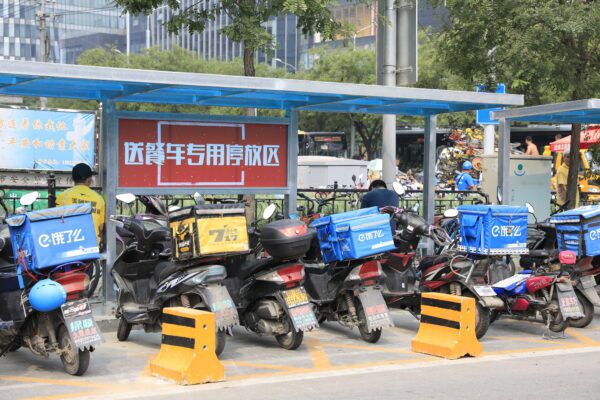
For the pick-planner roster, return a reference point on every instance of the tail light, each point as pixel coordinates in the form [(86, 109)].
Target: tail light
[(73, 282), (289, 276), (368, 270)]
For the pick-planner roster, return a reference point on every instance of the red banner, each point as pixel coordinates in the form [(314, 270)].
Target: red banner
[(156, 153)]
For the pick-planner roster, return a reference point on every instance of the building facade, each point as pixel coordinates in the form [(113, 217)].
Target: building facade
[(68, 27)]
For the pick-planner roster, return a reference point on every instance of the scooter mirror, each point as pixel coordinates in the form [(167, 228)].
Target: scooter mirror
[(126, 198), (415, 208), (360, 177), (450, 213), (29, 198), (530, 208), (399, 188), (269, 211), (499, 194), (353, 178), (198, 198)]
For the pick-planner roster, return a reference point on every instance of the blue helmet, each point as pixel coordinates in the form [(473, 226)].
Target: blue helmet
[(47, 295), (467, 165)]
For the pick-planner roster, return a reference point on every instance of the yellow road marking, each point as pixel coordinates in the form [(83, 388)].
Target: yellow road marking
[(264, 366), (536, 349), (64, 396), (368, 348), (582, 338), (48, 381), (318, 356), (523, 339)]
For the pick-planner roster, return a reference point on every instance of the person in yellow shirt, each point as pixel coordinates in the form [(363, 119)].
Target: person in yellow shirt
[(562, 177), (83, 177)]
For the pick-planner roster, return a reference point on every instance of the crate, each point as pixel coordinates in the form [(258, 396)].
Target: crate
[(578, 230), (493, 229), (354, 234), (55, 236), (211, 229)]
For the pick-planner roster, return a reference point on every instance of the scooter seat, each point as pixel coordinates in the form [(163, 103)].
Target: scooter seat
[(429, 261), (164, 269), (250, 267)]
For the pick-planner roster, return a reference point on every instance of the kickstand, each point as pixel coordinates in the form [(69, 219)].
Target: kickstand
[(549, 335)]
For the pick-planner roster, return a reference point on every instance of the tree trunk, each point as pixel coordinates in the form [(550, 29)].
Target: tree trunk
[(573, 179), (249, 69)]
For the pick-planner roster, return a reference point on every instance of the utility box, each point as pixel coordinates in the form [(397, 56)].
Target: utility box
[(320, 172), (529, 182)]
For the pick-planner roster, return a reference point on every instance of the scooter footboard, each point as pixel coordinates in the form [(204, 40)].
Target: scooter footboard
[(375, 309)]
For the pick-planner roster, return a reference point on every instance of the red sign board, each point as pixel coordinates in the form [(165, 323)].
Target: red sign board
[(155, 153)]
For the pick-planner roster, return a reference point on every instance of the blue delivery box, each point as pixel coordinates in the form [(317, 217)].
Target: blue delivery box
[(493, 229), (354, 234), (55, 236), (578, 230)]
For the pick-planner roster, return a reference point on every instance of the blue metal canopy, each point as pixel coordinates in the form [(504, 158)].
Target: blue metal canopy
[(571, 112), (162, 87)]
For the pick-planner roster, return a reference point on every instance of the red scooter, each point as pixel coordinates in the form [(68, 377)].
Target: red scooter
[(549, 293)]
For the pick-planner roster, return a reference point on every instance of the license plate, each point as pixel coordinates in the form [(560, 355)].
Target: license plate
[(295, 297), (568, 302), (484, 290), (81, 323), (376, 311)]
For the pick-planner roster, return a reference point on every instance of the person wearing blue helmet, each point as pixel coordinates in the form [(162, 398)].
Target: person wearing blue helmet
[(464, 180)]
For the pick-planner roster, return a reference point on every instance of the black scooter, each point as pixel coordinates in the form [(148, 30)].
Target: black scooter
[(147, 280), (267, 286)]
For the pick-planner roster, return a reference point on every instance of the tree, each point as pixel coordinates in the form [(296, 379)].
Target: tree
[(247, 19), (548, 50), (344, 65)]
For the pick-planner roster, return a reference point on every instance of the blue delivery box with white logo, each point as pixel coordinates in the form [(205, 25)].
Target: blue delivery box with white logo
[(354, 234), (493, 229), (47, 238), (578, 230)]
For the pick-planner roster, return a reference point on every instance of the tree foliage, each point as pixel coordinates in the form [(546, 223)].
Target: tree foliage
[(247, 19), (548, 50)]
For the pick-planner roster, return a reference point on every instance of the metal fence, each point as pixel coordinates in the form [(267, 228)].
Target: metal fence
[(338, 200)]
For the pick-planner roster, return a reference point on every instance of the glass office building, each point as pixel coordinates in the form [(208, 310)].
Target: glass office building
[(73, 26)]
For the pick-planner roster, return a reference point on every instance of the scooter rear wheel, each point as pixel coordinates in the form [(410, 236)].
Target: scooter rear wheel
[(557, 322), (221, 339), (123, 330), (369, 337), (291, 340), (588, 312), (75, 361)]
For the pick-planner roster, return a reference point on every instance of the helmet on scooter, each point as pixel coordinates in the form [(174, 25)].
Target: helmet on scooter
[(47, 295), (467, 165)]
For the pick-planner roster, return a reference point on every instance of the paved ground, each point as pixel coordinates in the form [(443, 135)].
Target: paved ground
[(517, 362)]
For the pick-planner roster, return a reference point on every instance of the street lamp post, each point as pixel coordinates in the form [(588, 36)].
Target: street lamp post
[(284, 63)]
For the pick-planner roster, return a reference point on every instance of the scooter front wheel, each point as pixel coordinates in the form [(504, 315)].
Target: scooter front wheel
[(291, 340), (75, 361)]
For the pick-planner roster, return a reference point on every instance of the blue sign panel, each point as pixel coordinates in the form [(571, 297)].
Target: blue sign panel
[(45, 140), (484, 117)]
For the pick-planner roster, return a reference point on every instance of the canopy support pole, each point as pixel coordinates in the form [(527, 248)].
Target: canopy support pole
[(292, 179), (110, 162), (429, 174), (504, 159)]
